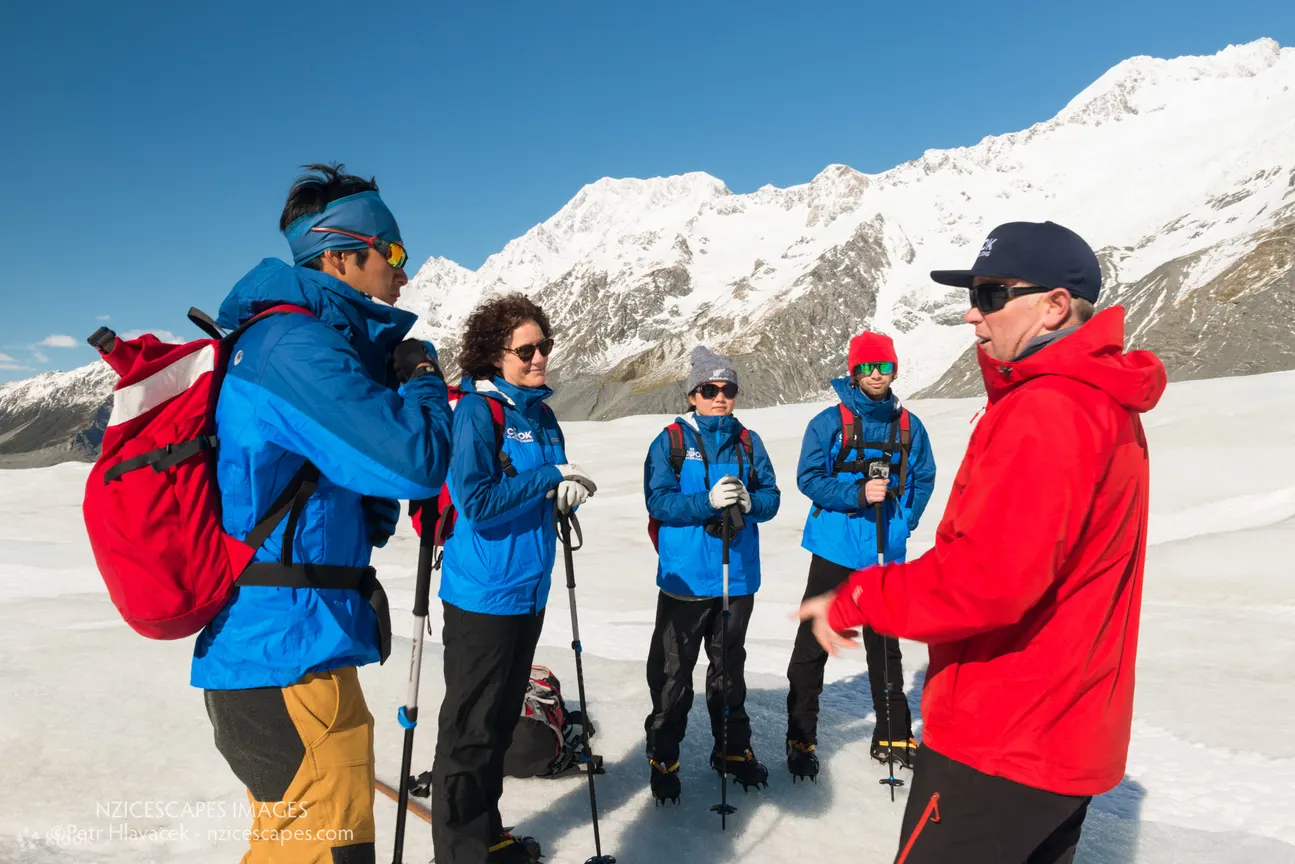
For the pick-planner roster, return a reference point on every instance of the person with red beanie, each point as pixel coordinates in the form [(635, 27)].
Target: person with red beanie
[(867, 435), (1030, 599)]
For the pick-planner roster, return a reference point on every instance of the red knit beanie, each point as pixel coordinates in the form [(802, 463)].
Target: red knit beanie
[(870, 348)]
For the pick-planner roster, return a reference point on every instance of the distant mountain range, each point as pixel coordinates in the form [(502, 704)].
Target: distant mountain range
[(1180, 173)]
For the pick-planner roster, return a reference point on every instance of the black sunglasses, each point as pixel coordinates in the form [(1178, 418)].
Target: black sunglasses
[(992, 297), (710, 391), (526, 353)]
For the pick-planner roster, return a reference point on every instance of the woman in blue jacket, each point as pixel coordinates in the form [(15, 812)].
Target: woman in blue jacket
[(719, 465), (505, 484), (841, 531)]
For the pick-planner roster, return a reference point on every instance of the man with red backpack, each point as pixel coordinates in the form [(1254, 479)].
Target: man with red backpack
[(866, 433), (330, 410)]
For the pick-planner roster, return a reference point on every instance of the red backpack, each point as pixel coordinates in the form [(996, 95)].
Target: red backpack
[(678, 452), (152, 508)]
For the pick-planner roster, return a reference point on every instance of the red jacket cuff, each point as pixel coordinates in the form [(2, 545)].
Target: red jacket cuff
[(843, 614)]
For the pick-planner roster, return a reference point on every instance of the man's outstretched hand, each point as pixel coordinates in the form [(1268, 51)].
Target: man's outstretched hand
[(814, 610)]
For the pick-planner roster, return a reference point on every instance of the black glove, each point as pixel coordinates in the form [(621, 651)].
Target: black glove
[(414, 358), (381, 515), (715, 525)]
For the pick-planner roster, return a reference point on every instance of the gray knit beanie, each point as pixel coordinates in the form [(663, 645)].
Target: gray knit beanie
[(709, 366)]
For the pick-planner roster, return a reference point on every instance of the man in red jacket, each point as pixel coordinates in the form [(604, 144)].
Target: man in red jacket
[(1030, 599)]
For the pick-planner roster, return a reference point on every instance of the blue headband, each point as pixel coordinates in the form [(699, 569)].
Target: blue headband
[(361, 213)]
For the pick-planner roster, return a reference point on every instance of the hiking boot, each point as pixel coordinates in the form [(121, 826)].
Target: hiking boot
[(664, 781), (744, 768), (514, 850), (802, 761), (902, 753)]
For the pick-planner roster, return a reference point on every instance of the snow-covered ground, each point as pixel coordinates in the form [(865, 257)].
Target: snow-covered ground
[(107, 752)]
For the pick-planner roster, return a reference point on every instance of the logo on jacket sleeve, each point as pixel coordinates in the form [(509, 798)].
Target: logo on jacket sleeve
[(524, 436)]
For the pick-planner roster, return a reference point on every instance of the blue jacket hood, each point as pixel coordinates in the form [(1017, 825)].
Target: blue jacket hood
[(882, 411), (329, 299)]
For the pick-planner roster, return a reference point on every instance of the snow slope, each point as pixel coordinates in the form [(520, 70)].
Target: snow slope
[(109, 754)]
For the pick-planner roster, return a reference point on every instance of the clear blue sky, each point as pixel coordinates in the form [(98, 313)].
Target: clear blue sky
[(149, 145)]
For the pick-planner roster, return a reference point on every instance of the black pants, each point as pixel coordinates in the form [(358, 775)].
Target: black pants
[(682, 626), (984, 819), (805, 671), (487, 668)]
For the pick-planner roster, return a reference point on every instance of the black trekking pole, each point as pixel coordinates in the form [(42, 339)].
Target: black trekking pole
[(564, 522), (881, 471), (408, 714), (723, 808)]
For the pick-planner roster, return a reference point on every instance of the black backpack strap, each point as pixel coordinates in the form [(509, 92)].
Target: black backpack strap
[(290, 503), (268, 574), (677, 450), (265, 574), (705, 460), (163, 458), (205, 323)]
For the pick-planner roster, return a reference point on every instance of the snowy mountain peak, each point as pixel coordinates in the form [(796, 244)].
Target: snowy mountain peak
[(84, 385), (1143, 84), (607, 212), (617, 204)]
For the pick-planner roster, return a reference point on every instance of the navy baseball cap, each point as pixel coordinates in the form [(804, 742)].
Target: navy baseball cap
[(1043, 253)]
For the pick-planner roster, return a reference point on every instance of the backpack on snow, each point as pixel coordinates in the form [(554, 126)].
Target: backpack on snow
[(152, 506), (548, 738), (679, 452), (444, 515)]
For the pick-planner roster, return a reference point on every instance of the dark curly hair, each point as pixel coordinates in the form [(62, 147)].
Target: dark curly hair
[(489, 328)]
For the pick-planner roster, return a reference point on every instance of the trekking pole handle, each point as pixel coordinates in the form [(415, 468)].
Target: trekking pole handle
[(426, 552), (726, 527)]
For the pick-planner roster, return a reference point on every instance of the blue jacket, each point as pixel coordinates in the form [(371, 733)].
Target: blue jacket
[(690, 561), (836, 528), (499, 559), (297, 388)]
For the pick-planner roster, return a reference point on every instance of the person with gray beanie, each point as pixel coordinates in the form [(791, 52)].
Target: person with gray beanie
[(700, 466)]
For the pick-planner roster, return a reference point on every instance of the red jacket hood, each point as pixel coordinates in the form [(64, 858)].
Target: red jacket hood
[(1093, 354)]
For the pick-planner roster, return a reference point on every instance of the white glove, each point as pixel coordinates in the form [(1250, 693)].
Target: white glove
[(574, 472), (571, 494), (727, 492)]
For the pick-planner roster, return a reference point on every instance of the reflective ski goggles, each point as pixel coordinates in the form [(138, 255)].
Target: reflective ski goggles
[(710, 391), (391, 250), (526, 353), (863, 370), (992, 297)]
